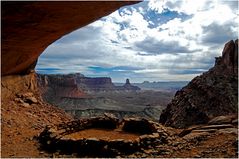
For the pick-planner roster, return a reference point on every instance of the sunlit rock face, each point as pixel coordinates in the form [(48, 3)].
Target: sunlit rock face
[(211, 94), (29, 27)]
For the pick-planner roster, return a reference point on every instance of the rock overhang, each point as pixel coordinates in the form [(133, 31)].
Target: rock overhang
[(29, 27)]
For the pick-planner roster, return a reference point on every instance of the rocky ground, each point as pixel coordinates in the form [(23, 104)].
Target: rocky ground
[(25, 116), (217, 139)]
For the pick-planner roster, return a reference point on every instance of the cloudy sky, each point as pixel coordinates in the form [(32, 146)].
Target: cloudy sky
[(158, 40)]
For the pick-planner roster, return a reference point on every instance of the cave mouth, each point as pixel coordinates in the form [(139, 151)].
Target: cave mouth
[(93, 52), (104, 136)]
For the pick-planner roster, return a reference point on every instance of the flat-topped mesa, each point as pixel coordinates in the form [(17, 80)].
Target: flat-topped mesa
[(80, 83), (95, 84), (214, 93)]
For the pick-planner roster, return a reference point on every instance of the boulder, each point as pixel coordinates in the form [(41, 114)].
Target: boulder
[(222, 126), (196, 136), (31, 100), (229, 131), (221, 120)]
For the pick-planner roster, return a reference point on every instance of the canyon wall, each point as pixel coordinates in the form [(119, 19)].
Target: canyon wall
[(211, 94), (67, 85)]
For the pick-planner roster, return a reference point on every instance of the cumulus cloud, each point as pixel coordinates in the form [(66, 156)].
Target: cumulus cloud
[(152, 40), (218, 34), (153, 46)]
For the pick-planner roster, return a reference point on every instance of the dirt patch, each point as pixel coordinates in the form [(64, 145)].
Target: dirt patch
[(102, 134), (20, 125)]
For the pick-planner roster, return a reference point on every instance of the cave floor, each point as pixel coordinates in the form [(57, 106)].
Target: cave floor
[(103, 134), (21, 124)]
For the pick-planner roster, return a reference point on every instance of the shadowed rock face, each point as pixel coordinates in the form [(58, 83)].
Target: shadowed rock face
[(211, 94), (128, 86), (29, 27)]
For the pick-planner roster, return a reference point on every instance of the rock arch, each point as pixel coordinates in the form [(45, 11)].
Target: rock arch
[(29, 27)]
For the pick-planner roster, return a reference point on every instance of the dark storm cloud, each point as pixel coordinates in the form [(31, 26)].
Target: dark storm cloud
[(152, 46), (218, 34)]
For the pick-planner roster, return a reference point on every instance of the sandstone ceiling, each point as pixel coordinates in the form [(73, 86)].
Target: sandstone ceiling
[(29, 27)]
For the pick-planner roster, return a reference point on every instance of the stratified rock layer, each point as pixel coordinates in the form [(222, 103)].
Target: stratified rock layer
[(68, 84), (29, 27), (211, 94)]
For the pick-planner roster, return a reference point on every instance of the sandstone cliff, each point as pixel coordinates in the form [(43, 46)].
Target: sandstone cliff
[(61, 86), (211, 94), (29, 27), (67, 85)]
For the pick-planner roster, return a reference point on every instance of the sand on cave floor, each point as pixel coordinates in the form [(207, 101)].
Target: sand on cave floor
[(103, 134), (20, 125)]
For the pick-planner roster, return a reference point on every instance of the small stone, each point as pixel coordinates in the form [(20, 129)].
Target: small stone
[(222, 126), (93, 139), (31, 100), (166, 153), (106, 147), (195, 135), (221, 120), (143, 136), (197, 156), (143, 155), (26, 105), (19, 100), (205, 130), (119, 140), (229, 131), (28, 94), (235, 122)]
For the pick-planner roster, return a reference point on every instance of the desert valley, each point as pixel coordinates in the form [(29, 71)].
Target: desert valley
[(72, 115)]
